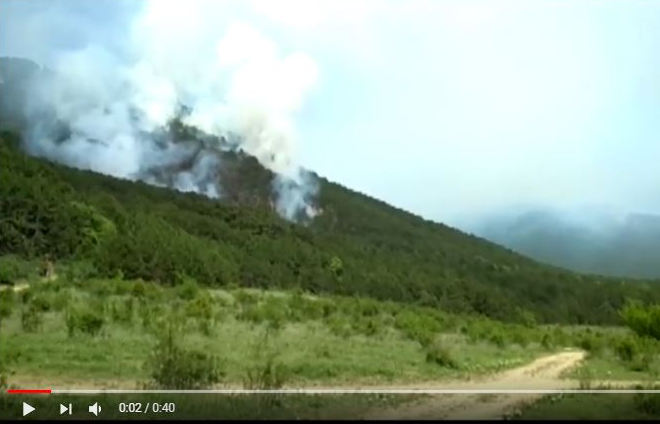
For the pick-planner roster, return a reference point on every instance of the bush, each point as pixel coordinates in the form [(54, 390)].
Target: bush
[(187, 287), (302, 308), (645, 321), (642, 362), (201, 309), (173, 367), (84, 319), (585, 377), (13, 268), (418, 327), (369, 326), (122, 310), (31, 318), (149, 314), (438, 353), (547, 342), (339, 325), (627, 349), (271, 310), (591, 343), (245, 297), (7, 299), (266, 375), (78, 271), (497, 338), (61, 299), (266, 372), (41, 302), (519, 337), (525, 317)]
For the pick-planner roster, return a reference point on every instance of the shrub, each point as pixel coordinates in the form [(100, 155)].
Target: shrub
[(418, 327), (173, 367), (302, 308), (84, 319), (272, 310), (520, 337), (525, 317), (339, 325), (627, 349), (201, 309), (61, 300), (266, 372), (31, 318), (645, 321), (78, 271), (547, 342), (440, 354), (585, 377), (6, 304), (187, 287), (497, 338), (13, 268), (139, 289), (368, 326), (244, 297), (121, 310), (642, 362), (265, 375), (148, 314), (41, 302), (591, 343)]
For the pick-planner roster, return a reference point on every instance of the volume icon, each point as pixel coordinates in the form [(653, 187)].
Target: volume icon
[(95, 409)]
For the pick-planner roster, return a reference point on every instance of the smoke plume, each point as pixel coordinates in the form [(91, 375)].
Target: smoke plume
[(109, 111)]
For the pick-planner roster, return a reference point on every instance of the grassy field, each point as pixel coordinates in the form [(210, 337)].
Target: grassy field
[(105, 331), (72, 331)]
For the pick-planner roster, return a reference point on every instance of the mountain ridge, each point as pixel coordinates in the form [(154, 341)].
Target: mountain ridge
[(356, 245)]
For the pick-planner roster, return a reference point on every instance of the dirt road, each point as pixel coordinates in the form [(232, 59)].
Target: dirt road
[(543, 373)]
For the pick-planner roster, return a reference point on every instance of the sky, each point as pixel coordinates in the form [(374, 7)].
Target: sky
[(449, 109)]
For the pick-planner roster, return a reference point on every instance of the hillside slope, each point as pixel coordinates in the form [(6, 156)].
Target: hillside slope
[(356, 246)]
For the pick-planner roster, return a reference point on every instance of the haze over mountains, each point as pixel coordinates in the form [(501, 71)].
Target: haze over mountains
[(593, 243)]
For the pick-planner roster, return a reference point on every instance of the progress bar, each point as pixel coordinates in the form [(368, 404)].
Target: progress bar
[(362, 391), (29, 391)]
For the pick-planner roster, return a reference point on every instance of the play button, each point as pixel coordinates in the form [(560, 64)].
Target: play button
[(27, 408)]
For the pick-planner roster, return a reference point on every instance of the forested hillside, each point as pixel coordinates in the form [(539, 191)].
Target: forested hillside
[(356, 245)]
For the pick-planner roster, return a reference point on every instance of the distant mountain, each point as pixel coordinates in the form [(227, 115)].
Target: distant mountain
[(595, 244)]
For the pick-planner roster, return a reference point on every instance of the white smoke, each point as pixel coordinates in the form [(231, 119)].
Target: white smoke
[(233, 79)]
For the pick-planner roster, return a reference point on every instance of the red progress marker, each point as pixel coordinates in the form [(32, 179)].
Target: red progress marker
[(29, 392)]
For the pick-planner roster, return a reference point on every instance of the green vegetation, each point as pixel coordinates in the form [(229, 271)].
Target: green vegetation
[(645, 321), (173, 366), (629, 355), (357, 246), (135, 333), (620, 357), (120, 283)]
